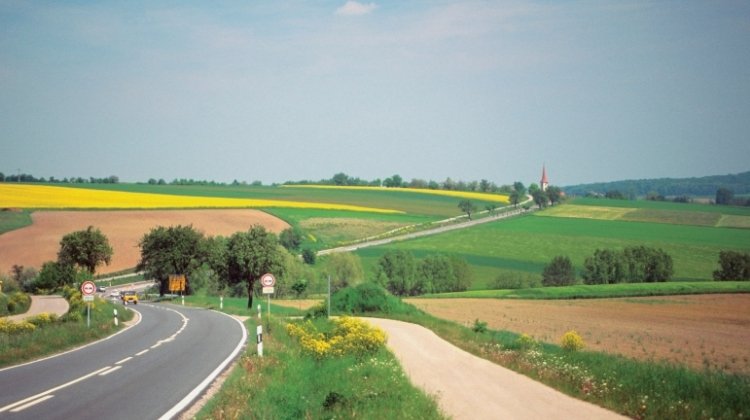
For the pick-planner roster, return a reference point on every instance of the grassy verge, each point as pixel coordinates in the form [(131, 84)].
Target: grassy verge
[(583, 291), (238, 306), (61, 334), (288, 383), (639, 389)]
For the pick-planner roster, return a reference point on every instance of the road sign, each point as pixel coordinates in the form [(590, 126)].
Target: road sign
[(268, 290), (268, 280), (88, 288), (88, 298)]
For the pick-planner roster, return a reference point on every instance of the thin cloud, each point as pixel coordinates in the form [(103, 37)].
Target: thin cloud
[(354, 8)]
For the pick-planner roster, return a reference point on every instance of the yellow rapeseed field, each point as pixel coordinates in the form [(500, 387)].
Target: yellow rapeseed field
[(498, 198), (26, 196)]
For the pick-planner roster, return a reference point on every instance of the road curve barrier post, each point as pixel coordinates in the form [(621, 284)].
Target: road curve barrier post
[(117, 322), (221, 302), (259, 334)]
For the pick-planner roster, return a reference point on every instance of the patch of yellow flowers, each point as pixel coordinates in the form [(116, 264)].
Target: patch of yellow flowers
[(498, 198), (350, 336), (26, 196)]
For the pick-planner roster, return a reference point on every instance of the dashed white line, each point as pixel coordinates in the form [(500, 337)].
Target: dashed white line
[(32, 403), (50, 391), (142, 352), (107, 372), (124, 360)]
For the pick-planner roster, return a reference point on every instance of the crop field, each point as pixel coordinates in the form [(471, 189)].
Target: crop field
[(524, 245), (33, 245), (702, 331)]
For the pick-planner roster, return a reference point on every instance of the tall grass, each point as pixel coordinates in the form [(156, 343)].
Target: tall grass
[(63, 334), (287, 383)]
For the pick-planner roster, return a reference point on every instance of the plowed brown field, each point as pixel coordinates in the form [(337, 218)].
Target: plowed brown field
[(33, 245), (699, 331)]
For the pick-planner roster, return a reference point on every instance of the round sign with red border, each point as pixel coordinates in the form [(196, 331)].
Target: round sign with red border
[(268, 280), (88, 288)]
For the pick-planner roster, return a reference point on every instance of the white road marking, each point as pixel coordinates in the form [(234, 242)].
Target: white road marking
[(55, 389), (107, 372), (142, 352), (124, 360), (31, 404)]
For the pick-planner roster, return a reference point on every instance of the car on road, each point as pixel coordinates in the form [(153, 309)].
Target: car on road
[(129, 296), (101, 289), (114, 294)]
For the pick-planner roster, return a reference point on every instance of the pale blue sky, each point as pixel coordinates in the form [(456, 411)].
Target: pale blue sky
[(288, 90)]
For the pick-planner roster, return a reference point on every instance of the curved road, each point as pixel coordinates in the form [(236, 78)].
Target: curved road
[(469, 387), (151, 370)]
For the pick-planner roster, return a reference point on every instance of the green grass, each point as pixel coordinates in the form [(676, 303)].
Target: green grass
[(238, 306), (12, 220), (526, 244), (583, 291), (289, 384), (61, 335), (663, 205)]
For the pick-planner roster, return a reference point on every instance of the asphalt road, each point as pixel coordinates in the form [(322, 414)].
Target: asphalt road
[(152, 370)]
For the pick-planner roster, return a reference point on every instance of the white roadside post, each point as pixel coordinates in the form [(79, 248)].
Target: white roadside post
[(221, 302), (259, 334), (259, 311), (116, 321)]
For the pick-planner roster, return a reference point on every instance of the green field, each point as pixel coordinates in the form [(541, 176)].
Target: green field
[(526, 244), (11, 220)]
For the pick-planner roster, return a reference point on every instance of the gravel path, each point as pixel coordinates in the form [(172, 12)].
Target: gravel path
[(469, 387), (50, 304)]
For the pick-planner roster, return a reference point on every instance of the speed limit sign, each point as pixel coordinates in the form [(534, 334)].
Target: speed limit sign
[(268, 280)]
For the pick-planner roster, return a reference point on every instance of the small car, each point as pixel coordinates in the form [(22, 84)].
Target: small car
[(101, 289), (129, 296), (114, 294)]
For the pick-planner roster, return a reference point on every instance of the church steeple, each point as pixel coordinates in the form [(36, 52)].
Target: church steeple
[(544, 183)]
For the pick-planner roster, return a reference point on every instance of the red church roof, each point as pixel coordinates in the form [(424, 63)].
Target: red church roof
[(544, 176)]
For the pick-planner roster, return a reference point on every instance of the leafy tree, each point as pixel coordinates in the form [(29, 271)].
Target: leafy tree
[(393, 182), (172, 250), (490, 208), (435, 275), (559, 272), (252, 254), (484, 185), (340, 179), (733, 265), (345, 269), (290, 238), (85, 248), (396, 271), (52, 276), (519, 191), (648, 264), (308, 256), (540, 197), (724, 196), (467, 207), (554, 194), (604, 267)]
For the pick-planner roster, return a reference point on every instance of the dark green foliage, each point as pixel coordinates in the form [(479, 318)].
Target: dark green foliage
[(515, 280), (397, 272), (648, 264), (733, 265), (703, 186), (309, 256), (724, 196), (440, 273), (85, 248), (290, 238), (368, 297), (172, 250), (554, 194), (53, 276), (559, 272), (479, 326), (344, 269), (467, 207), (252, 254), (604, 267)]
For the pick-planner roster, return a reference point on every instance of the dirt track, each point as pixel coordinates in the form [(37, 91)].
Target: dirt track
[(33, 245), (469, 387)]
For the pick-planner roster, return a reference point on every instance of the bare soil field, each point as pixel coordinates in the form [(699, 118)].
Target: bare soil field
[(33, 245), (698, 331)]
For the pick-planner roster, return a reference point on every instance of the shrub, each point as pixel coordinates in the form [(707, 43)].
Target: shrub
[(559, 272), (571, 341), (526, 342), (350, 336), (308, 256), (516, 281), (42, 319), (479, 326), (733, 265), (367, 297), (10, 327)]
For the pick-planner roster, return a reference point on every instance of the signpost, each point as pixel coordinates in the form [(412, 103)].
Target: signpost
[(88, 288), (268, 281)]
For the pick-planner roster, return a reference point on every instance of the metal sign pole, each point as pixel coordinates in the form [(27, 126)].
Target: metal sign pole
[(88, 315)]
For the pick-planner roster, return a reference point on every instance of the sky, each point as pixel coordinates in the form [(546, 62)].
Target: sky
[(290, 90)]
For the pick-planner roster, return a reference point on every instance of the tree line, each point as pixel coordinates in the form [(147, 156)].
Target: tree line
[(396, 181), (112, 179)]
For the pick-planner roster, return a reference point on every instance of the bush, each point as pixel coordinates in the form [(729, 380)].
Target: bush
[(526, 342), (479, 326), (571, 341), (516, 281), (559, 272), (367, 297), (733, 266), (42, 319), (350, 336), (10, 327), (308, 256)]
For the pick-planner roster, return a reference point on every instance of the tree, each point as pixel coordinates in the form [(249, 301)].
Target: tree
[(396, 271), (308, 256), (554, 194), (53, 275), (540, 197), (604, 267), (173, 250), (724, 196), (393, 182), (290, 238), (519, 191), (86, 249), (340, 179), (252, 254), (733, 265), (559, 272), (467, 207), (345, 269), (647, 264)]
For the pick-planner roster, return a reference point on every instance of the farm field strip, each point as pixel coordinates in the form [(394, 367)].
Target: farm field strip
[(54, 197), (702, 331), (499, 198)]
